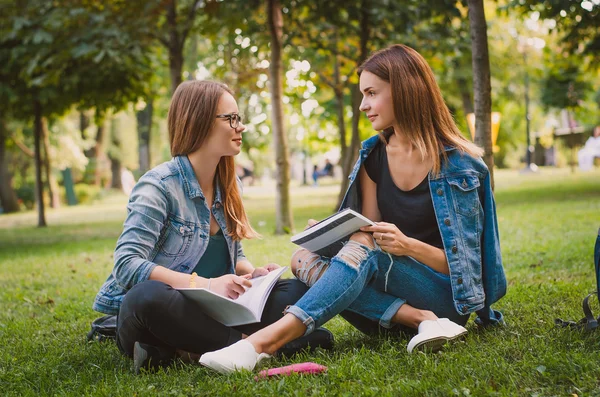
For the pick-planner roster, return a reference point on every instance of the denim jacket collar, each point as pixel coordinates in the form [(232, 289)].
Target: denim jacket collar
[(190, 181)]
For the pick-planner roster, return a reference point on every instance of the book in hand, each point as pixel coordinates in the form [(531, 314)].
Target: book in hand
[(246, 309), (327, 237)]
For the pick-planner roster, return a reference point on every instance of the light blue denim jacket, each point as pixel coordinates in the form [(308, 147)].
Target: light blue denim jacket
[(167, 224), (466, 215)]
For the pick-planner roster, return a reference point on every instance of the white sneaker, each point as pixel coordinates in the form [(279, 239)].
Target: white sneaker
[(434, 333), (241, 355)]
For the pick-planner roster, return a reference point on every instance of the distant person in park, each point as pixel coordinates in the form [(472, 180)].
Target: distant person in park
[(326, 171), (184, 226), (127, 181), (315, 175), (432, 258), (590, 151), (246, 174)]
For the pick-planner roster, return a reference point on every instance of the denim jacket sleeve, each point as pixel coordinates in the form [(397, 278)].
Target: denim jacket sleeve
[(146, 214), (494, 280), (240, 252)]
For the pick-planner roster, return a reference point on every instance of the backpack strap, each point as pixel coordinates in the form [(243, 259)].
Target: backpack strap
[(597, 261), (589, 322)]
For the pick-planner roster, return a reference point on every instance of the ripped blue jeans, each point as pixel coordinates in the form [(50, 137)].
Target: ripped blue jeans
[(372, 285)]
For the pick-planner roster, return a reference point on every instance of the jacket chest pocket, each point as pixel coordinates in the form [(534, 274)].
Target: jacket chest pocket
[(465, 194), (176, 237)]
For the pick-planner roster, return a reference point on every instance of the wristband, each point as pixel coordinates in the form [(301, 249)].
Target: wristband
[(193, 280)]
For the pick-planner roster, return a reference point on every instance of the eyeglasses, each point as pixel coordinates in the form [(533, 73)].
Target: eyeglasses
[(234, 119)]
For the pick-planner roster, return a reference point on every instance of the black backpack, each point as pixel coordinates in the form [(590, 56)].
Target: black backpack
[(589, 322), (103, 328)]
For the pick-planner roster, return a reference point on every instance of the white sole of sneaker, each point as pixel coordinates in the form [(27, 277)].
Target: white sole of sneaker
[(216, 367), (436, 344)]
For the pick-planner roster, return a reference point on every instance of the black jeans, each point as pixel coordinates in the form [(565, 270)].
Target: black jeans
[(373, 328), (156, 314)]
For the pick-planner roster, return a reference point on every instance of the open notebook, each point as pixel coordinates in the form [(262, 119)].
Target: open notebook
[(246, 309)]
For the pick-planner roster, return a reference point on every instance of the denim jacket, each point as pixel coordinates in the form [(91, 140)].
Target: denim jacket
[(167, 224), (465, 210)]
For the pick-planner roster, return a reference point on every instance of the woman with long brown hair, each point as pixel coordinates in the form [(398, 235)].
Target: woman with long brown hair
[(433, 256), (184, 226)]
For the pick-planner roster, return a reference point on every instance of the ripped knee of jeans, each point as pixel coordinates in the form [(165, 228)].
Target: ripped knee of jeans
[(357, 249), (308, 267)]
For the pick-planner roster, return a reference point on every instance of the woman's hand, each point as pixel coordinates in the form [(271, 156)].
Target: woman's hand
[(263, 271), (311, 222), (230, 285), (390, 238)]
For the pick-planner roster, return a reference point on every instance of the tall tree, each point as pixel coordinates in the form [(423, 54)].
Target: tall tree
[(51, 182), (283, 211), (481, 82), (170, 22), (8, 198), (115, 154), (144, 128), (59, 54)]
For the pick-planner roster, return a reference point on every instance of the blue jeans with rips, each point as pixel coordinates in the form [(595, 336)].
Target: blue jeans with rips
[(370, 293)]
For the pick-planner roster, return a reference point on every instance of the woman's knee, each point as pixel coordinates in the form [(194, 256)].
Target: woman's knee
[(307, 266), (363, 238), (297, 259), (357, 250)]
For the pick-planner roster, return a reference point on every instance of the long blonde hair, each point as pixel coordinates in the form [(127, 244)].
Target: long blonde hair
[(191, 117), (419, 109)]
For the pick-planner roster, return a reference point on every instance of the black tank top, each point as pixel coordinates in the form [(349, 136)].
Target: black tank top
[(411, 211)]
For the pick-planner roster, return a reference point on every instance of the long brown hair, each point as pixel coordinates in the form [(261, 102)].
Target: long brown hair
[(419, 109), (191, 117)]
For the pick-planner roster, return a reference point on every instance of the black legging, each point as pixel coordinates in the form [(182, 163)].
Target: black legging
[(154, 313)]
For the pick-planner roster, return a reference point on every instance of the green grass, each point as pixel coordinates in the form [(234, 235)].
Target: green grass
[(548, 224)]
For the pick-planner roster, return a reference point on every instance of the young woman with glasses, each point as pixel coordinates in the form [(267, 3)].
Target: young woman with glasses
[(184, 226), (432, 258)]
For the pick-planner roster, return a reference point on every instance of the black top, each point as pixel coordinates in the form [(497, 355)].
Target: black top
[(411, 211)]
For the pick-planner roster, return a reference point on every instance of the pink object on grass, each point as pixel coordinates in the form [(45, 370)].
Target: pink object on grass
[(303, 368)]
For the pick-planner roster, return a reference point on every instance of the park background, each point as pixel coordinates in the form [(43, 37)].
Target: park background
[(85, 88)]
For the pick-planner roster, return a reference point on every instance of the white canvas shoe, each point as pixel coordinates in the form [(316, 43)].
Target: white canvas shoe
[(241, 355), (434, 333)]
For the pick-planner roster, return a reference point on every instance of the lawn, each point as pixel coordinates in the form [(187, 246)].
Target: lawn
[(548, 225)]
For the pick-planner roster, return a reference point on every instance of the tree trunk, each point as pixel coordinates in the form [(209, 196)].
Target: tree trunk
[(84, 122), (144, 127), (481, 83), (339, 99), (50, 179), (39, 186), (283, 212), (175, 46), (465, 95), (99, 158), (175, 67), (352, 152), (114, 154), (8, 198), (338, 90)]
